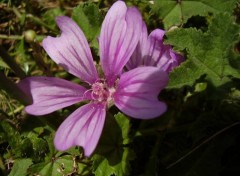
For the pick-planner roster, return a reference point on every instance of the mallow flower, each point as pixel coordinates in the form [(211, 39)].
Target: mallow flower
[(151, 51), (134, 92)]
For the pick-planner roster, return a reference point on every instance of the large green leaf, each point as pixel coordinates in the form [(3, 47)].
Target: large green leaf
[(207, 53), (61, 164), (113, 155), (174, 12)]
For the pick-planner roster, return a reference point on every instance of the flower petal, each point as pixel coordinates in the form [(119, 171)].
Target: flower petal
[(168, 59), (71, 50), (138, 55), (154, 48), (161, 55), (119, 36), (82, 128), (137, 92), (151, 51), (50, 94)]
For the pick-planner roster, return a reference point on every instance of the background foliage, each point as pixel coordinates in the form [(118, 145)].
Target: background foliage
[(198, 136)]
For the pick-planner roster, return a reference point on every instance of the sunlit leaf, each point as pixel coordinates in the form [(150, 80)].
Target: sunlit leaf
[(175, 13), (208, 53), (89, 18)]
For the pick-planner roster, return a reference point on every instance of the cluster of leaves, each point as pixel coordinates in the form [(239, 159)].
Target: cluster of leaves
[(199, 134)]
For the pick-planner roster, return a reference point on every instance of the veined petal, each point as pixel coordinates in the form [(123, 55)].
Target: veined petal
[(169, 59), (160, 55), (137, 92), (138, 55), (50, 94), (119, 36), (154, 48), (82, 128), (71, 50)]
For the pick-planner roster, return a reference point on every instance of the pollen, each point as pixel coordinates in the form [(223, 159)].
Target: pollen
[(101, 92)]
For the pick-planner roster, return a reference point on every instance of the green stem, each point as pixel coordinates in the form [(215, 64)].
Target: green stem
[(11, 63), (17, 13), (39, 21), (11, 37), (33, 18), (20, 108), (38, 38)]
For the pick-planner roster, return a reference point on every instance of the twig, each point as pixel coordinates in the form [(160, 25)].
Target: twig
[(11, 37), (39, 21), (20, 108), (204, 142)]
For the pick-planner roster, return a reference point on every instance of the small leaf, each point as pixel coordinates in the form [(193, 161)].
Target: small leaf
[(199, 87), (20, 167)]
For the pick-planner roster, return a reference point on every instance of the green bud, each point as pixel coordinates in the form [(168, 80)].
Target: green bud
[(29, 36)]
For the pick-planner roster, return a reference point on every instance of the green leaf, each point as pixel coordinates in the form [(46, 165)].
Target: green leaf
[(20, 167), (178, 12), (112, 154), (89, 19), (9, 133), (207, 53)]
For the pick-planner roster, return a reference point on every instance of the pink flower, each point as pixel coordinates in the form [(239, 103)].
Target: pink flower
[(134, 92), (151, 51)]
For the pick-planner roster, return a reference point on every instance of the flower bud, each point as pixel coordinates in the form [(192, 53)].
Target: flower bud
[(29, 36)]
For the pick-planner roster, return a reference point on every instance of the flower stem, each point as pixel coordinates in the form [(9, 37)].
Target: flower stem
[(38, 38), (39, 21), (20, 108), (33, 18), (11, 37)]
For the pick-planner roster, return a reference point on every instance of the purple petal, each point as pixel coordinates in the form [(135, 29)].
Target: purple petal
[(137, 57), (169, 59), (151, 51), (154, 48), (82, 128), (119, 36), (50, 94), (71, 50), (160, 55), (137, 92)]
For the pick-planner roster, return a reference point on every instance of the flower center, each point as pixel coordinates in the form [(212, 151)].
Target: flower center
[(101, 92)]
